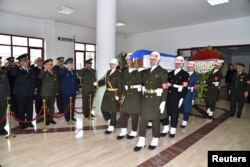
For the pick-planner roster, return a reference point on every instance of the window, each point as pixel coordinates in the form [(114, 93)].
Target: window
[(84, 51), (14, 46)]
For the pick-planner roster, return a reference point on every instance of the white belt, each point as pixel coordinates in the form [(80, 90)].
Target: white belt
[(138, 87), (158, 91), (179, 87), (216, 83), (191, 88)]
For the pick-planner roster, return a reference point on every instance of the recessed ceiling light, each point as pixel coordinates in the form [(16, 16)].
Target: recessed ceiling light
[(217, 2), (120, 23), (65, 10)]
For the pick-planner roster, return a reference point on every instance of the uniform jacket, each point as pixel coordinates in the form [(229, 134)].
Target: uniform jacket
[(49, 83), (11, 78), (4, 85), (213, 90), (88, 78), (70, 83), (37, 81), (57, 70), (114, 80), (24, 81), (132, 96), (240, 84), (157, 79)]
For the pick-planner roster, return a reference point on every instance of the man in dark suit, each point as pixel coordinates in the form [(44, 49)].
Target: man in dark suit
[(178, 85), (70, 87), (4, 96), (213, 92), (49, 88), (37, 67), (239, 90), (154, 81), (24, 90), (110, 101), (59, 98), (89, 84)]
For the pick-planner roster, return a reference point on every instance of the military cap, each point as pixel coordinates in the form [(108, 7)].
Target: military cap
[(60, 58), (48, 61), (240, 64), (89, 61), (69, 60), (10, 59), (23, 57)]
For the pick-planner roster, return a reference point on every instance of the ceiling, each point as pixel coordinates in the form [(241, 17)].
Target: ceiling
[(140, 15)]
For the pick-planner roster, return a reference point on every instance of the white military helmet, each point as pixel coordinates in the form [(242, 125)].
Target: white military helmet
[(155, 55), (179, 59), (219, 62), (114, 61)]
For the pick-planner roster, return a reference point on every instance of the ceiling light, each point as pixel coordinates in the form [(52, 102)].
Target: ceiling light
[(217, 2), (65, 10), (119, 24)]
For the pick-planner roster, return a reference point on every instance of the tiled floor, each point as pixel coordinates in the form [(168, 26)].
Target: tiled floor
[(85, 144)]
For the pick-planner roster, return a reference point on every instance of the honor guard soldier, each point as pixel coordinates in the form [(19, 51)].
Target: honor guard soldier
[(70, 87), (178, 86), (89, 84), (11, 65), (59, 98), (191, 93), (132, 95), (153, 102), (49, 88), (239, 90), (38, 67), (110, 101), (24, 90), (213, 91), (4, 96)]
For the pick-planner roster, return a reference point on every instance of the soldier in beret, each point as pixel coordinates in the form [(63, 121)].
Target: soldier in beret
[(89, 84), (24, 90), (111, 98), (4, 96), (212, 95), (59, 98), (70, 87), (49, 88), (154, 98), (239, 90)]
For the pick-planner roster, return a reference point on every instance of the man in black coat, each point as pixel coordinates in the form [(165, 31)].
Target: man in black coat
[(24, 90), (4, 96), (178, 85)]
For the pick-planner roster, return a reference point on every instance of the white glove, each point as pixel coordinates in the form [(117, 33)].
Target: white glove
[(192, 102), (116, 98), (180, 102), (162, 107), (126, 87), (216, 83), (95, 84)]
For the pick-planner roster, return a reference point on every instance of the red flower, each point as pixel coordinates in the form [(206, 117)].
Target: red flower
[(206, 53)]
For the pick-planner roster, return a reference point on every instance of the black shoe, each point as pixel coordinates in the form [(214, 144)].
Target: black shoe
[(171, 135), (67, 120), (163, 134), (150, 147), (149, 127), (137, 148), (108, 132), (238, 116), (210, 117), (3, 132), (183, 126), (231, 115), (52, 121), (93, 116), (86, 116), (73, 119), (130, 137), (120, 137), (30, 125), (47, 122)]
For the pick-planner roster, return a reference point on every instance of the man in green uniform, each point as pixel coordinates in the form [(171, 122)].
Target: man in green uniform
[(239, 90), (111, 98), (4, 96), (89, 84), (212, 95), (49, 88), (132, 95), (153, 101)]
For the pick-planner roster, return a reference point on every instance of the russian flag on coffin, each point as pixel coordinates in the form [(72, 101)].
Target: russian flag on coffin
[(167, 61)]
